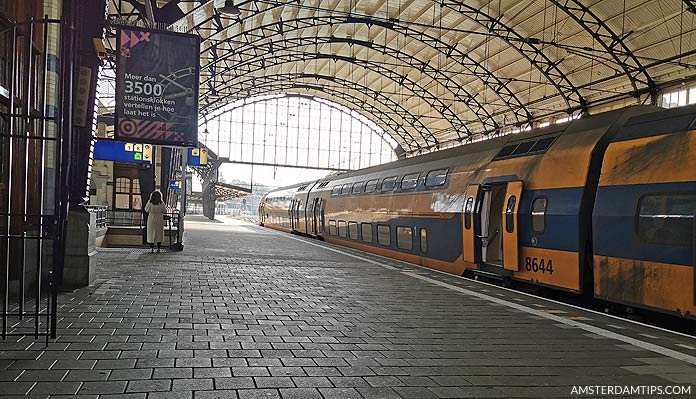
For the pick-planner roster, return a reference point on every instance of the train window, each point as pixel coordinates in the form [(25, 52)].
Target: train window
[(332, 227), (539, 215), (506, 151), (523, 148), (468, 208), (424, 240), (358, 187), (384, 234), (342, 228), (366, 230), (436, 177), (346, 189), (667, 219), (353, 230), (404, 237), (410, 181), (510, 214), (543, 144), (336, 190), (371, 186), (389, 184)]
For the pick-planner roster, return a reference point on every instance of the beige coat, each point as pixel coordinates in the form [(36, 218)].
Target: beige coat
[(155, 222)]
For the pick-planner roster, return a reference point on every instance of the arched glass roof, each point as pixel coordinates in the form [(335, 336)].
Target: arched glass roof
[(438, 73)]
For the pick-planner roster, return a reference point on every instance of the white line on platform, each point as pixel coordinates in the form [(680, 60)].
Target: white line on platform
[(587, 327)]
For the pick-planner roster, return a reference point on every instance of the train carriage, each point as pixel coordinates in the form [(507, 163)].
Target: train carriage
[(522, 207), (644, 224)]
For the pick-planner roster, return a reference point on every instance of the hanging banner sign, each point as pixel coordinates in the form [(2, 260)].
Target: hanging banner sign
[(157, 79)]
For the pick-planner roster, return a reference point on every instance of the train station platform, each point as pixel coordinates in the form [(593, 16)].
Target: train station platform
[(247, 312)]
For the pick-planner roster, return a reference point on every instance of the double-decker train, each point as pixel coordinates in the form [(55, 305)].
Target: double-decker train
[(602, 206)]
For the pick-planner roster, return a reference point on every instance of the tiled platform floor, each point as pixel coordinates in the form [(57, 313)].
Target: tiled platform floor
[(251, 313)]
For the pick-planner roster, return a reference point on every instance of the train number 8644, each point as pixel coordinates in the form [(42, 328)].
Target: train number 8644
[(538, 265)]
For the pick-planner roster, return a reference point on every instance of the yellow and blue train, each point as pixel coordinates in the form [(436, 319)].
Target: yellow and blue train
[(602, 206)]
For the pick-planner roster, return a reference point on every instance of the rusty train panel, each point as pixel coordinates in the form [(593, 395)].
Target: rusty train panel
[(574, 207)]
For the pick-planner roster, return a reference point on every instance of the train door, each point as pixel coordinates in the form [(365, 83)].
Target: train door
[(319, 216), (468, 234), (311, 220), (694, 249), (298, 214), (291, 214), (492, 209), (315, 216), (510, 226)]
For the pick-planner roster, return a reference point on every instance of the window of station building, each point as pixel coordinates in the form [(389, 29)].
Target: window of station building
[(332, 227), (123, 193), (346, 189), (371, 186), (404, 237), (366, 230), (136, 198), (410, 181), (127, 194), (358, 187), (389, 184), (383, 235), (353, 230), (539, 215), (336, 190), (667, 219), (436, 178), (423, 240), (342, 230), (468, 209), (510, 214)]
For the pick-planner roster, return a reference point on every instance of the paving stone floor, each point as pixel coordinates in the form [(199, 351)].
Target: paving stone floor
[(245, 312)]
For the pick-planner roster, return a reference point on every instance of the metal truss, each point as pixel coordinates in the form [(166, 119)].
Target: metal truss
[(246, 58), (251, 66), (395, 121), (221, 47), (627, 64), (165, 15), (690, 5), (528, 48)]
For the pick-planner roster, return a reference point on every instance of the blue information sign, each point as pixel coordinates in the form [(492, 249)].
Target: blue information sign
[(108, 150), (197, 156)]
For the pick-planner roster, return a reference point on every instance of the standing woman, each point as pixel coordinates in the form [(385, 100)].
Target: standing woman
[(155, 220)]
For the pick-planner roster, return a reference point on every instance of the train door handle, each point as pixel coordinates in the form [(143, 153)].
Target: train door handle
[(485, 240)]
